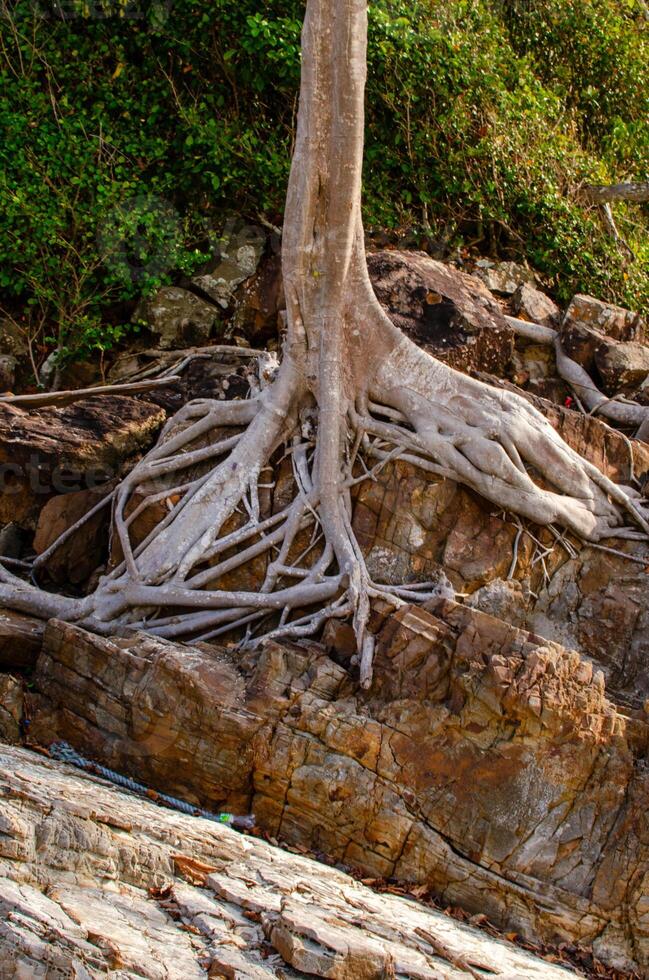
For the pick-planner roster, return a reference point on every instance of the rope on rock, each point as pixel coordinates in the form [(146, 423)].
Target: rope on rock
[(63, 752)]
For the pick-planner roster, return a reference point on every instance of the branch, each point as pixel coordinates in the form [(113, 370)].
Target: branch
[(67, 397), (638, 193)]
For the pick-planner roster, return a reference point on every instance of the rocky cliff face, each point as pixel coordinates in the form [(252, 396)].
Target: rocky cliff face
[(96, 883), (486, 763)]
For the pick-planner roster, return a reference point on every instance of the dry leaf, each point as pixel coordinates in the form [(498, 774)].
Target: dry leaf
[(193, 871)]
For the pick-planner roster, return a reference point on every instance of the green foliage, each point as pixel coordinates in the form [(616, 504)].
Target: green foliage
[(129, 131)]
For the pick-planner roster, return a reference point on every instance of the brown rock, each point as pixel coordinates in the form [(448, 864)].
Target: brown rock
[(79, 556), (581, 343), (605, 318), (533, 305), (11, 710), (260, 301), (104, 883), (622, 367), (486, 763), (51, 451), (21, 638), (445, 311)]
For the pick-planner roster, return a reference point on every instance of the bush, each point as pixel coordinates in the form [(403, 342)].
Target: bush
[(130, 132)]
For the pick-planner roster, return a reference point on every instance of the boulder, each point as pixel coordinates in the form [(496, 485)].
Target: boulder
[(598, 603), (11, 715), (443, 310), (13, 541), (240, 251), (103, 883), (486, 763), (622, 366), (581, 343), (177, 318), (49, 451), (505, 277), (533, 305), (259, 304), (12, 339), (79, 556), (21, 638), (8, 365), (606, 319)]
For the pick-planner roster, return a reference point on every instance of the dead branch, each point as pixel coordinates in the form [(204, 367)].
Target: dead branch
[(58, 398)]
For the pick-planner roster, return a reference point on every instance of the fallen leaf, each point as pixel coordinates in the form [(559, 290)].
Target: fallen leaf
[(193, 871)]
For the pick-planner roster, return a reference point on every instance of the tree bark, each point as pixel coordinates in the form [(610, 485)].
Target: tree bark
[(637, 193)]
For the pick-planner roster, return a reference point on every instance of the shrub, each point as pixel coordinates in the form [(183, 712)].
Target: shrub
[(130, 132)]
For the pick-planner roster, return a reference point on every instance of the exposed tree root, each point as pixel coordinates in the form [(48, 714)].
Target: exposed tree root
[(352, 394), (207, 465), (620, 412)]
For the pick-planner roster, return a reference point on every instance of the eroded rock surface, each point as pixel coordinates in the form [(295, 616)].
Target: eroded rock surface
[(605, 318), (449, 313), (48, 451), (485, 762), (97, 883), (177, 317)]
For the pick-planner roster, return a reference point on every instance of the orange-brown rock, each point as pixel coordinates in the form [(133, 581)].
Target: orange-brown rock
[(486, 761), (11, 709), (96, 882), (78, 557), (605, 318)]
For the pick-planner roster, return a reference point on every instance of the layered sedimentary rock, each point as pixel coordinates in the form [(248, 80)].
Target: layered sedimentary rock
[(50, 451), (486, 762), (97, 883)]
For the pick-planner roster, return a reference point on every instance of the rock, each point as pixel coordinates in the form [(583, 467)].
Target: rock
[(50, 451), (598, 604), (622, 366), (13, 540), (21, 638), (259, 304), (11, 714), (12, 339), (240, 252), (486, 763), (606, 319), (7, 372), (178, 318), (581, 343), (504, 599), (78, 557), (98, 882), (443, 310), (506, 277), (533, 305)]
